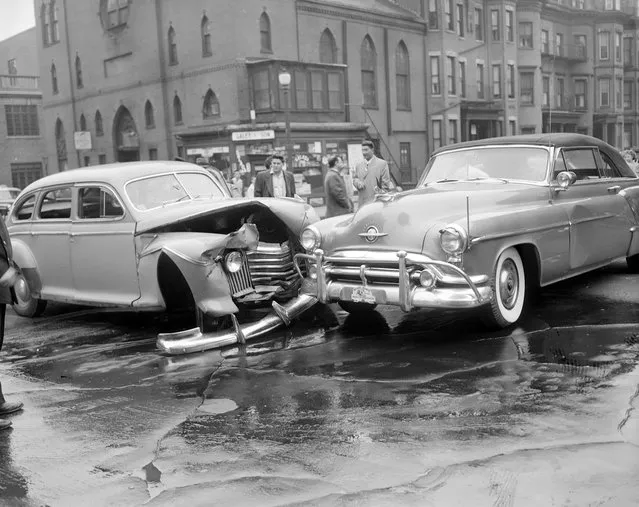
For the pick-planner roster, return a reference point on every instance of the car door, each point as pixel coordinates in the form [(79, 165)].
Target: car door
[(50, 243), (600, 219), (103, 256)]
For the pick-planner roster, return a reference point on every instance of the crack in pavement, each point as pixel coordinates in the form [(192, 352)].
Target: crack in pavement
[(629, 410), (150, 467)]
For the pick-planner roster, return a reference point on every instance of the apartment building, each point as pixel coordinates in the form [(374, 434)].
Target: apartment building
[(22, 157)]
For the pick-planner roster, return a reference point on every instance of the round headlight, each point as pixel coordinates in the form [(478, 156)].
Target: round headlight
[(233, 262), (453, 239), (427, 278), (310, 238)]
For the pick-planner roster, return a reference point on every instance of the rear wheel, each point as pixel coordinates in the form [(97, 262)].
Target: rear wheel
[(509, 290), (26, 305), (356, 308)]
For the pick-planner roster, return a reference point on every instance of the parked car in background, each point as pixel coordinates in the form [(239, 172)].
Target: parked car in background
[(489, 221), (155, 236), (7, 197)]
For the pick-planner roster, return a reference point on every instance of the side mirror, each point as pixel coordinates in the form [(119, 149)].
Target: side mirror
[(565, 179)]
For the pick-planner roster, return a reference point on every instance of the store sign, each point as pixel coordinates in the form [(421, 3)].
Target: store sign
[(207, 152), (254, 135)]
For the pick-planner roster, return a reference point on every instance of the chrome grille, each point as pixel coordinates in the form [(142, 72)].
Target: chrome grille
[(270, 264)]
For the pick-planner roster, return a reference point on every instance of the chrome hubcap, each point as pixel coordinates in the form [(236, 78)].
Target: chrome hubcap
[(508, 284), (23, 294)]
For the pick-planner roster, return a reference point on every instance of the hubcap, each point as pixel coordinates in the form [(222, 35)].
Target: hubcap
[(508, 284), (23, 294)]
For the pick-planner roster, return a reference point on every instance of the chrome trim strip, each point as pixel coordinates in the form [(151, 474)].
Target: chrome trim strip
[(502, 235), (593, 219), (102, 233)]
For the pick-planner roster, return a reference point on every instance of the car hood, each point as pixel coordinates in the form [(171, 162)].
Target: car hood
[(411, 220), (295, 214)]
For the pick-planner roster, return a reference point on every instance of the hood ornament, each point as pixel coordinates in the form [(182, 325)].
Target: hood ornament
[(372, 234)]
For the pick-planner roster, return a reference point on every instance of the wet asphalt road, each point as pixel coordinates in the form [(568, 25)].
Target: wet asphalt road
[(419, 409)]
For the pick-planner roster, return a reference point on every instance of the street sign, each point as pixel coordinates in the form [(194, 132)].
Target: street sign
[(253, 135), (82, 140)]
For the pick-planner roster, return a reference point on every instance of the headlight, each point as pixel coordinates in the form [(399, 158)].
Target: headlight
[(310, 238), (453, 239), (233, 262)]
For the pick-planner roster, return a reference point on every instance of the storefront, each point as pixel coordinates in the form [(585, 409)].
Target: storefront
[(245, 151)]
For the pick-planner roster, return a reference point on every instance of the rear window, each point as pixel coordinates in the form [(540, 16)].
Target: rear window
[(24, 210)]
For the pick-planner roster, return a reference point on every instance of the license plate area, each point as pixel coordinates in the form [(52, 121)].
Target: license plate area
[(363, 295)]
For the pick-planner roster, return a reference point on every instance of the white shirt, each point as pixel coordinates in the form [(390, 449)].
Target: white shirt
[(279, 184)]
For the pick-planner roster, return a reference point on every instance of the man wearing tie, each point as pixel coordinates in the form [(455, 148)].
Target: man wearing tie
[(275, 182), (371, 175)]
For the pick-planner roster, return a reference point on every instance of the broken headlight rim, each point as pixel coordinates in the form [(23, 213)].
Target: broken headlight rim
[(233, 261), (453, 239), (310, 238)]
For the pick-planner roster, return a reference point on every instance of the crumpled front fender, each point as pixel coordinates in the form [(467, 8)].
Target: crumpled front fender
[(197, 258)]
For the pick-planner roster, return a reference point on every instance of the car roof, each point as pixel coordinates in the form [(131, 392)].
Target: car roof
[(115, 174), (555, 140)]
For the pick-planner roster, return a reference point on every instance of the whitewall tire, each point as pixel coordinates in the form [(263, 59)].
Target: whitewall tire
[(509, 291)]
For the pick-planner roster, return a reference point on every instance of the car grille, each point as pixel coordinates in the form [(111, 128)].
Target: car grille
[(270, 264), (382, 273)]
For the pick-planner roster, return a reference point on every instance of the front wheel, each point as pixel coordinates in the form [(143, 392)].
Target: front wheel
[(356, 308), (509, 290), (26, 305)]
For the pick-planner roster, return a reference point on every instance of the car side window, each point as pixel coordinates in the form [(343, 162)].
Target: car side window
[(582, 162), (608, 167), (24, 211), (56, 204), (560, 165), (98, 202)]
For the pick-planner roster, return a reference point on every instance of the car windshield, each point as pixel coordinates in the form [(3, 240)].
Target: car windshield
[(7, 194), (157, 191), (501, 162)]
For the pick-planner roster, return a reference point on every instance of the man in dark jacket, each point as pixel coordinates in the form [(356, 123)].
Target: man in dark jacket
[(8, 277), (337, 201), (275, 182)]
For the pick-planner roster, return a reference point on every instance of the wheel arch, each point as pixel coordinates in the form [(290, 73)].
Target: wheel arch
[(174, 289), (26, 261)]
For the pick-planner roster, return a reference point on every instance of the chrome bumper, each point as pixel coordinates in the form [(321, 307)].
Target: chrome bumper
[(463, 291), (193, 340)]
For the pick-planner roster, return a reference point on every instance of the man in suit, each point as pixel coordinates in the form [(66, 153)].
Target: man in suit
[(371, 175), (8, 278), (275, 182), (337, 200)]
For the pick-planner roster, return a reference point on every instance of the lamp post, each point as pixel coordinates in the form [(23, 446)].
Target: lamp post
[(284, 78)]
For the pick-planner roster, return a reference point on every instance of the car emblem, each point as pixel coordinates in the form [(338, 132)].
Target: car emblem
[(372, 234)]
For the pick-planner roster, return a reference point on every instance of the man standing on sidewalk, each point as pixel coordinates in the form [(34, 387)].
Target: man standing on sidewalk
[(371, 175), (8, 277), (337, 201)]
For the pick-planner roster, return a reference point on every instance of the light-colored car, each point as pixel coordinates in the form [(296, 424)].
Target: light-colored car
[(7, 197), (154, 236), (489, 221)]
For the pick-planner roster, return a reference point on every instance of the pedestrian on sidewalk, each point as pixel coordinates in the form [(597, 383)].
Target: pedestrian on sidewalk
[(337, 201), (8, 278), (371, 175), (275, 182)]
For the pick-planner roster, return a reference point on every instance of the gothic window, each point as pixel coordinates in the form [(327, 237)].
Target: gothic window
[(173, 57), (368, 61), (211, 107), (61, 145), (206, 37), (149, 115), (99, 128), (265, 33), (54, 79), (83, 123), (177, 110), (402, 76), (328, 47), (44, 21), (53, 22), (78, 72)]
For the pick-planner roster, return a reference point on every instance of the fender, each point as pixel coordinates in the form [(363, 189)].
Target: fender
[(196, 256), (25, 260), (631, 194)]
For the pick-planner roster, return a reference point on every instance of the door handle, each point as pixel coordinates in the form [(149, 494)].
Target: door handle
[(614, 190)]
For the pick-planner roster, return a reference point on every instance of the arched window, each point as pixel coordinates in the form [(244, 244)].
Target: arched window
[(177, 110), (83, 123), (60, 145), (328, 48), (149, 115), (368, 57), (206, 37), (78, 72), (173, 57), (99, 128), (265, 33), (211, 106), (54, 79), (402, 76), (44, 21), (53, 22)]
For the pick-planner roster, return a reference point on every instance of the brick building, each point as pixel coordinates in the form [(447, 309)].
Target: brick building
[(22, 156)]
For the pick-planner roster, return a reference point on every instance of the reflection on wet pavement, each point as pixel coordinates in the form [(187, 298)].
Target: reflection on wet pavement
[(392, 409)]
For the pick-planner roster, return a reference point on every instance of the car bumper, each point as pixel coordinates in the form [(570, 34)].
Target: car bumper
[(452, 289)]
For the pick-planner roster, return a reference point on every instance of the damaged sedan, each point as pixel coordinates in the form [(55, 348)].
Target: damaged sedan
[(156, 236), (489, 222)]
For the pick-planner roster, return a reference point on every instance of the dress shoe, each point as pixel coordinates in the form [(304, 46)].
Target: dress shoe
[(9, 407), (4, 424)]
